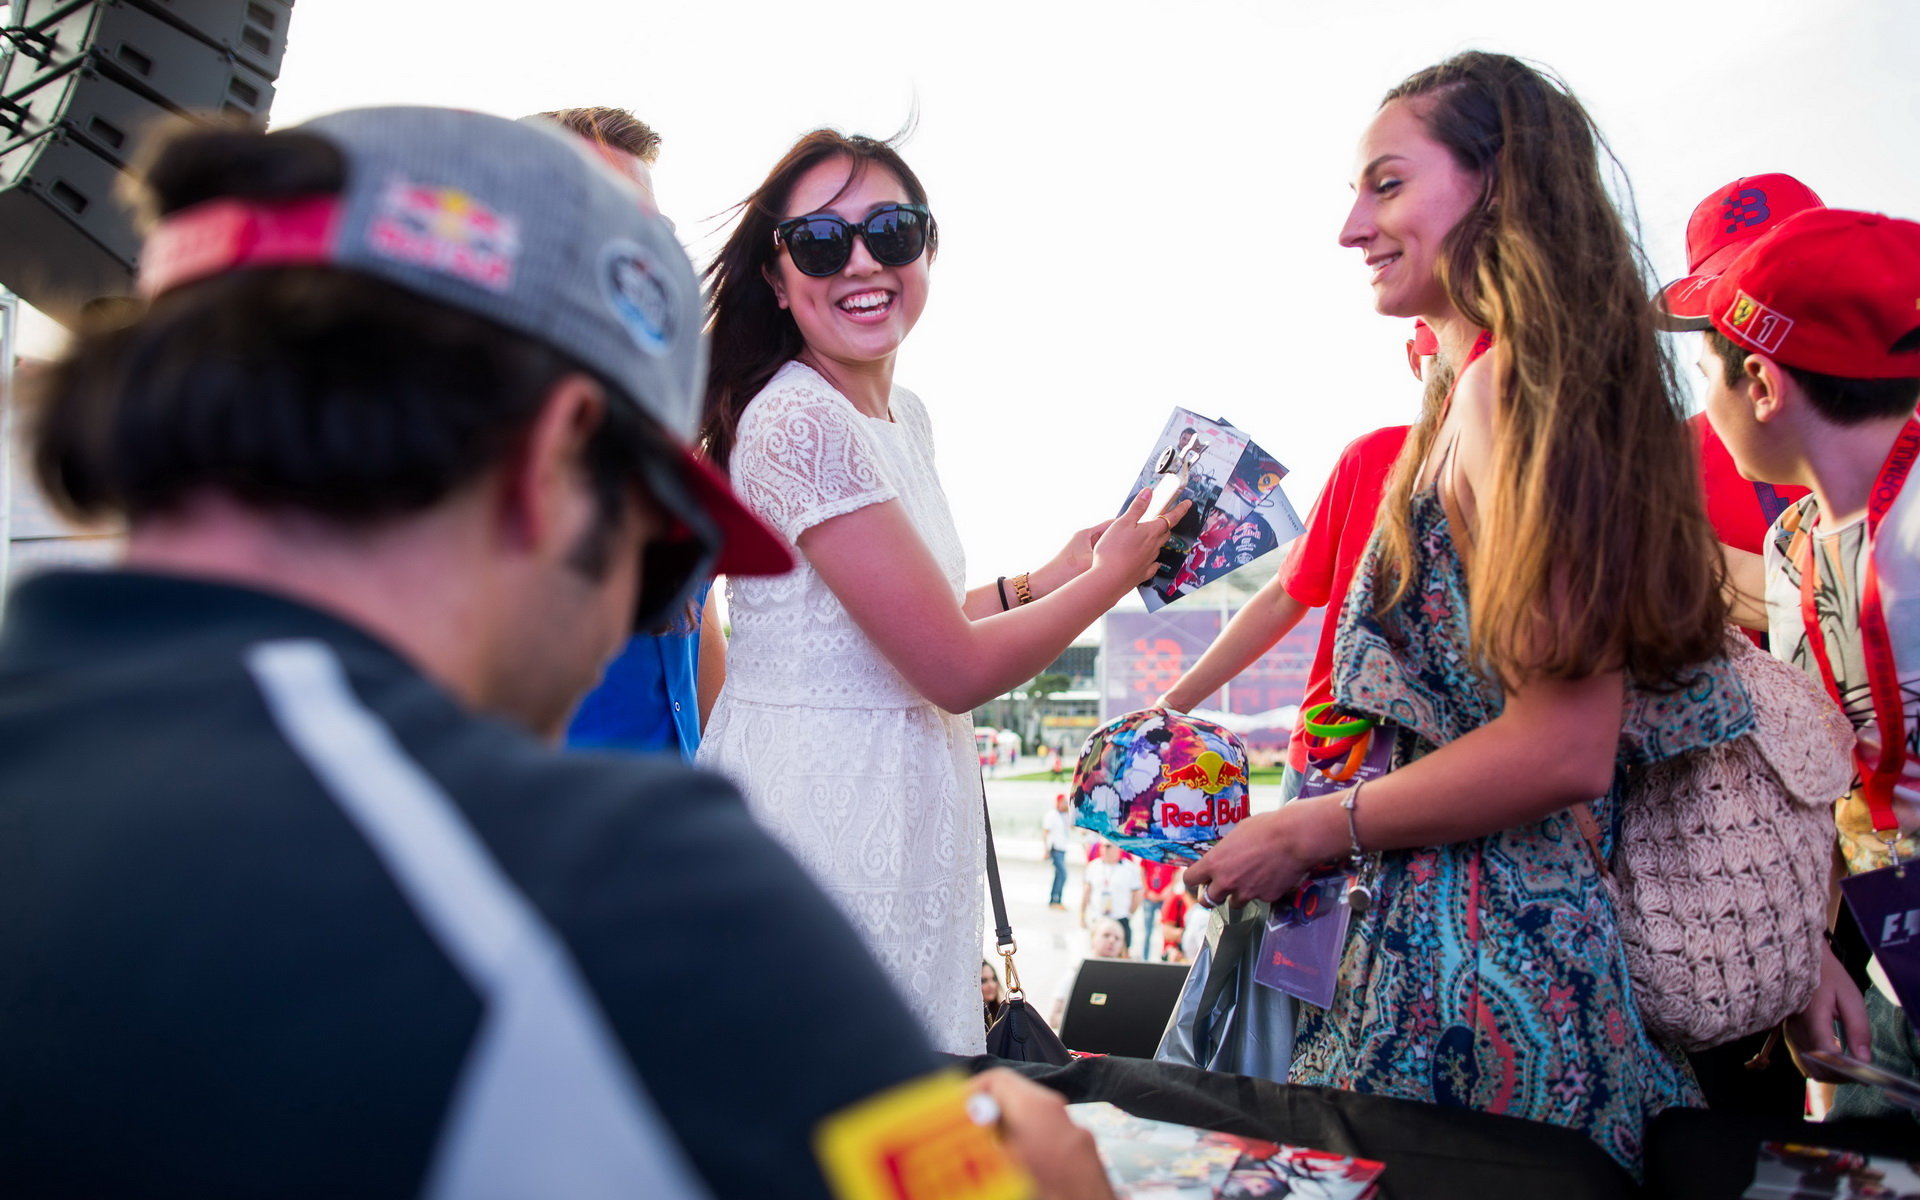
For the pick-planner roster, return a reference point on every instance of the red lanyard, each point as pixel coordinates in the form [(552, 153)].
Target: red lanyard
[(1883, 679)]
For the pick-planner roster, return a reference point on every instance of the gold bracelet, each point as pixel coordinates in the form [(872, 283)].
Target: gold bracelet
[(1021, 591)]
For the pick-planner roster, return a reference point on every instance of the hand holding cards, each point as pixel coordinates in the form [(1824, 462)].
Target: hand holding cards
[(1174, 470)]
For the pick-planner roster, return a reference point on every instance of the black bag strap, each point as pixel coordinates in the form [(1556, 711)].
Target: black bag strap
[(1002, 928)]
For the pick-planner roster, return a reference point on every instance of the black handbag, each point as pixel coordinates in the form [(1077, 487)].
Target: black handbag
[(1017, 1033)]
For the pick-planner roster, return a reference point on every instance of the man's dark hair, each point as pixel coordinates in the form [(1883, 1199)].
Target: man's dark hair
[(299, 388), (1838, 400), (614, 128)]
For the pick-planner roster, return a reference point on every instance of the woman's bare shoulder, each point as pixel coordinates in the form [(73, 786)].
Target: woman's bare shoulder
[(1476, 393), (1472, 427)]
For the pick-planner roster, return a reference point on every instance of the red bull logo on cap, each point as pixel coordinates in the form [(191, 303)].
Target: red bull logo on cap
[(1208, 772), (1164, 785), (446, 230), (1223, 811)]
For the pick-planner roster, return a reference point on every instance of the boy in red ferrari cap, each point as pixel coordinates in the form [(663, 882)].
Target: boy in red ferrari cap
[(1813, 365), (1740, 509)]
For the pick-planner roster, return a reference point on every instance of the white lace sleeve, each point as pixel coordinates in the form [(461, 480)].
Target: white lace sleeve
[(801, 457)]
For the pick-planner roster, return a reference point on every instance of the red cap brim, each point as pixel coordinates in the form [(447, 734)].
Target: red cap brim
[(1684, 301), (748, 545), (1683, 304)]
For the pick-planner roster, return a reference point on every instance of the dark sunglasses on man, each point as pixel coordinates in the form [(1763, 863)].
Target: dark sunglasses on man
[(820, 243)]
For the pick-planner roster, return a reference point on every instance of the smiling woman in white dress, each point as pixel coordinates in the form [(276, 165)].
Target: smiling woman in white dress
[(844, 716)]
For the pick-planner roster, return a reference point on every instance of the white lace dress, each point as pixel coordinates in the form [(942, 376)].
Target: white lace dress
[(871, 787)]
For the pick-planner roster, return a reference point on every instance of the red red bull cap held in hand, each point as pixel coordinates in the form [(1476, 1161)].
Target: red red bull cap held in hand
[(1724, 224), (1830, 290)]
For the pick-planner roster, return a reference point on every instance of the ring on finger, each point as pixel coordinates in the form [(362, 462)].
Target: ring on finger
[(1168, 520)]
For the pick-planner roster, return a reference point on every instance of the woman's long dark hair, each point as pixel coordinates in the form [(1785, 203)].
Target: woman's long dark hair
[(751, 336)]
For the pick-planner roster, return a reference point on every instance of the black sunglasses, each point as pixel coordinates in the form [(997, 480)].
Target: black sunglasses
[(821, 244)]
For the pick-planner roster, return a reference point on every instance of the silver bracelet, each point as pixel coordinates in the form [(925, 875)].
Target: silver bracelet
[(1359, 894), (1347, 802)]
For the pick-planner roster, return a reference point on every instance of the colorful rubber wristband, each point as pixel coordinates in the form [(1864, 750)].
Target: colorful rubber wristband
[(1321, 749), (1348, 769), (1347, 727)]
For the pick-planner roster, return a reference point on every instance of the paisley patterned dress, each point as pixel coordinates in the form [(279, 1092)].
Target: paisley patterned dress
[(1489, 973)]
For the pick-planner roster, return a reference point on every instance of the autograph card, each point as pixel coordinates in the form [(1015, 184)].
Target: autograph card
[(1238, 513)]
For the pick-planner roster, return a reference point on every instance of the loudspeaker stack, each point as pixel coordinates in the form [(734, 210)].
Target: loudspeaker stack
[(80, 81)]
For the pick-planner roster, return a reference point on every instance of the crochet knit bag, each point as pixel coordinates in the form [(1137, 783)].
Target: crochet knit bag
[(1721, 872)]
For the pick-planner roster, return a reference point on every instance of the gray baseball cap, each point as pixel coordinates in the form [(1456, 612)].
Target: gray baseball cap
[(522, 223)]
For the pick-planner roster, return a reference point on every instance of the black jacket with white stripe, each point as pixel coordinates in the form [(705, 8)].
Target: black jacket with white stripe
[(213, 981)]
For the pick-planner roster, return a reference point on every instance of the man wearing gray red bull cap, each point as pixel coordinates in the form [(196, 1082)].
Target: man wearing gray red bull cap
[(295, 902)]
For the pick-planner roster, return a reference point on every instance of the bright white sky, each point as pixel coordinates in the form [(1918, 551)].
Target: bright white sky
[(1139, 202)]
